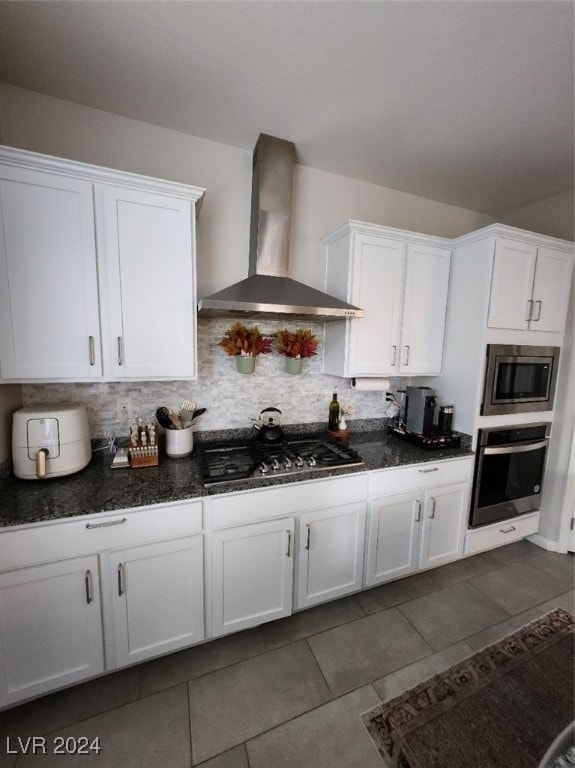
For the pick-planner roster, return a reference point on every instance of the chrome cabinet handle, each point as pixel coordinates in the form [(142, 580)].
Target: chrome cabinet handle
[(507, 530), (538, 305), (393, 362), (91, 350), (433, 469), (418, 518), (121, 587), (120, 350), (308, 526), (88, 583), (432, 513), (406, 355), (288, 553), (91, 526), (529, 310)]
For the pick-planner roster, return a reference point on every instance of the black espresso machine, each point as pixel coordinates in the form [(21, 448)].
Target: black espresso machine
[(415, 422)]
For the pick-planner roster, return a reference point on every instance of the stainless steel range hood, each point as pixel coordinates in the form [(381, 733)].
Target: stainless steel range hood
[(268, 291)]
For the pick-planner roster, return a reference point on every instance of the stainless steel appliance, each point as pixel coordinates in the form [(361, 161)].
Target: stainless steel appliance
[(519, 379), (509, 471), (420, 410), (50, 441), (242, 459), (268, 290)]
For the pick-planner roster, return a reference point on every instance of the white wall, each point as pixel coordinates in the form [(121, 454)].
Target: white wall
[(553, 216), (558, 495)]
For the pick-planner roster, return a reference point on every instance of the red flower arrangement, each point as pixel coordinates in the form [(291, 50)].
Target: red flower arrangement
[(241, 340), (299, 343)]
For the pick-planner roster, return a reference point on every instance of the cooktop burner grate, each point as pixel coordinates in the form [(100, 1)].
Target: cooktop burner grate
[(238, 460)]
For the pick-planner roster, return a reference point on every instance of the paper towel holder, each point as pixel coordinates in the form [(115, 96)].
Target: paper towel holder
[(376, 384)]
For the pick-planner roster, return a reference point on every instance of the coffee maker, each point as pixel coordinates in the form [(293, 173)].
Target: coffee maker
[(420, 410)]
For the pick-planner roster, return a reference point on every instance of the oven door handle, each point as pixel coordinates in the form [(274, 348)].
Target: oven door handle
[(516, 448)]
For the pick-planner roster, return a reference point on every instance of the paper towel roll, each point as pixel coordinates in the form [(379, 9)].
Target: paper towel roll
[(370, 385)]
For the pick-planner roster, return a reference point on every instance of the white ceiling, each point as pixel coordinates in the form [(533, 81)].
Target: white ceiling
[(469, 103)]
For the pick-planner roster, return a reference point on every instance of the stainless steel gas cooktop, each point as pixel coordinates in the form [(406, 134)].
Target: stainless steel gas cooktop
[(238, 460)]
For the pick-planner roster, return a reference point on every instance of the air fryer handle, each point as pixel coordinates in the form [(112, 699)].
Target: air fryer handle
[(41, 462)]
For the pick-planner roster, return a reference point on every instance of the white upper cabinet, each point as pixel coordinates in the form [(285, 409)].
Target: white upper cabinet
[(49, 315), (145, 242), (400, 279), (424, 309), (551, 290), (529, 287), (86, 255)]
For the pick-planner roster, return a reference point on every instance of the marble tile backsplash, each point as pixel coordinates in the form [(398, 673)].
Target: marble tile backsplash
[(231, 399)]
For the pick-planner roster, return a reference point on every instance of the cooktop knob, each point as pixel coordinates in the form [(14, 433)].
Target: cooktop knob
[(298, 461), (264, 468), (275, 464), (311, 462), (287, 462)]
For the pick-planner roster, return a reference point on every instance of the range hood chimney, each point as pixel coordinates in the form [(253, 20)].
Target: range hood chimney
[(268, 291)]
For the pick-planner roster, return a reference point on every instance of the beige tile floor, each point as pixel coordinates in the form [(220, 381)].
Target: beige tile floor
[(289, 694)]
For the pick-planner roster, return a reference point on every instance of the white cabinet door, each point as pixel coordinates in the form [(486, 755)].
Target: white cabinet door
[(512, 284), (158, 598), (424, 310), (330, 553), (393, 538), (445, 512), (551, 290), (149, 293), (378, 269), (252, 572), (49, 317), (401, 282), (50, 627)]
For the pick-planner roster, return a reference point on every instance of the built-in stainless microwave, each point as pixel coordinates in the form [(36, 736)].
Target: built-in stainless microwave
[(519, 379)]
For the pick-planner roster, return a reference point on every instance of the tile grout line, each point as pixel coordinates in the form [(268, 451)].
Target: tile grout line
[(316, 662)]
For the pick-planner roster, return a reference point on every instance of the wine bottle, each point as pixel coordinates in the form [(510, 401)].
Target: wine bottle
[(333, 421)]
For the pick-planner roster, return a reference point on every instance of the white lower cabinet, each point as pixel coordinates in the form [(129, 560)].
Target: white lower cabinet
[(421, 527), (252, 574), (158, 598), (393, 537), (50, 627), (501, 533), (330, 553), (117, 591), (444, 521)]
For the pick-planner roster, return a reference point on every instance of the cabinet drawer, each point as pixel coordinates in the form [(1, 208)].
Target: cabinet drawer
[(501, 533), (94, 533), (420, 476), (266, 503)]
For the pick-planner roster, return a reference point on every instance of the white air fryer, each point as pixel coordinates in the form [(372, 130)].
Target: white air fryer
[(50, 440)]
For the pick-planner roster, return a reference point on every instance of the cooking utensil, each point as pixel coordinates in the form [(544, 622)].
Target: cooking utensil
[(186, 409), (268, 426), (166, 418), (187, 421)]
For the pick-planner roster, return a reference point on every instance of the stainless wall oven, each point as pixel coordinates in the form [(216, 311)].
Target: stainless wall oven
[(519, 378), (509, 471)]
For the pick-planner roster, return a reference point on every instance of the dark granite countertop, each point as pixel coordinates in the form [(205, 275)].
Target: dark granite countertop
[(98, 488)]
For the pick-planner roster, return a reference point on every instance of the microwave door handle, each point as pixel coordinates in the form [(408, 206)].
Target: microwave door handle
[(516, 448)]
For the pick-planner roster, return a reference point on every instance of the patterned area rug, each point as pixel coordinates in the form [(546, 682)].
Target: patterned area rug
[(500, 708)]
